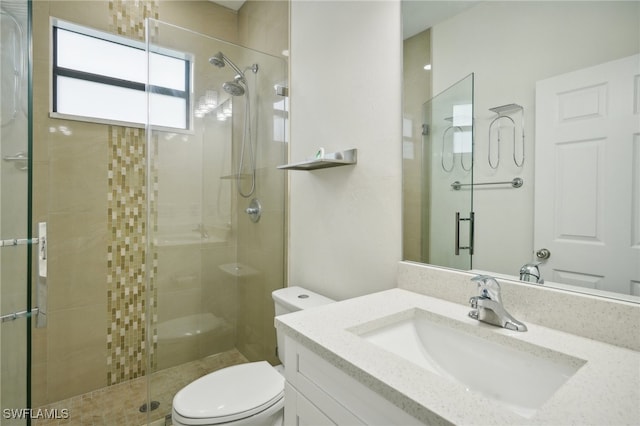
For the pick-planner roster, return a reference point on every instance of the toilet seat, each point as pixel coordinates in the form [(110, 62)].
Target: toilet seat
[(230, 394)]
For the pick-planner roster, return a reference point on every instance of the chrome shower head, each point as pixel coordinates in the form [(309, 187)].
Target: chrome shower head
[(217, 60), (234, 88), (220, 60), (237, 86)]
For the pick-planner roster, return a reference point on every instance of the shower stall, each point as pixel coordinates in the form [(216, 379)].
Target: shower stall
[(164, 243)]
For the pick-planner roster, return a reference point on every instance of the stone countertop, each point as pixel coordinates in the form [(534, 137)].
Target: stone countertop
[(604, 391)]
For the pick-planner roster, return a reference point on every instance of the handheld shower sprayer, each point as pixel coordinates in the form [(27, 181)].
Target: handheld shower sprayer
[(239, 87), (234, 87)]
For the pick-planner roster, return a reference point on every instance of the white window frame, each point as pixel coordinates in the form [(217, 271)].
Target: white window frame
[(56, 71)]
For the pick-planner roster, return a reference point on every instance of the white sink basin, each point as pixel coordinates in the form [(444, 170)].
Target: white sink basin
[(516, 374)]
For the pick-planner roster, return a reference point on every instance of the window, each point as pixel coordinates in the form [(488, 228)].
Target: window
[(101, 77)]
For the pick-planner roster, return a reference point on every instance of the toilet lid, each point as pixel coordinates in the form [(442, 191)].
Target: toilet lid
[(232, 393)]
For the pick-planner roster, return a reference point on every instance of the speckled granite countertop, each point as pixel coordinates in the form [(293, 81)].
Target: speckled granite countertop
[(604, 391)]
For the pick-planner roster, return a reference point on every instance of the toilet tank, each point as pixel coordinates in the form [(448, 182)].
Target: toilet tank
[(292, 299)]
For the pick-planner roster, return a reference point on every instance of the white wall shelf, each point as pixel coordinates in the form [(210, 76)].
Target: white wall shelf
[(334, 159)]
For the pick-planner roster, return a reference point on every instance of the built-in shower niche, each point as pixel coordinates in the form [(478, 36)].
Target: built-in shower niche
[(192, 337), (196, 303)]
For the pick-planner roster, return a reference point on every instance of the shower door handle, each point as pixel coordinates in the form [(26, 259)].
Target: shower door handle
[(471, 220)]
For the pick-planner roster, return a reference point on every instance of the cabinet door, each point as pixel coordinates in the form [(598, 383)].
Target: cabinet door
[(299, 411), (337, 396)]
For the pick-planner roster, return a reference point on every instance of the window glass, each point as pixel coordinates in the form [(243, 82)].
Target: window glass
[(165, 71), (100, 101), (101, 76), (162, 111), (93, 55)]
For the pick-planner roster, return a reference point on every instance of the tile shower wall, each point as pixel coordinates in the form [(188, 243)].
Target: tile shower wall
[(96, 324), (263, 26)]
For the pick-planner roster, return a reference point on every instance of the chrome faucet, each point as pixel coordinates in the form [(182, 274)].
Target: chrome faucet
[(487, 305), (531, 273)]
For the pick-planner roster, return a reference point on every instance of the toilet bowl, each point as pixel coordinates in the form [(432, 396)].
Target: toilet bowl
[(244, 394)]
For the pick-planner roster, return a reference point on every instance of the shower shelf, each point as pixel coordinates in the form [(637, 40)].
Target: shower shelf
[(235, 176), (334, 159)]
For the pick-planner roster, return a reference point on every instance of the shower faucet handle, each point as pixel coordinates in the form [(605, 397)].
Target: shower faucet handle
[(254, 210)]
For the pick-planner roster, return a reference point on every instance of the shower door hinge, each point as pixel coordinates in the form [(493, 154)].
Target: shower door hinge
[(42, 286), (282, 90), (425, 130)]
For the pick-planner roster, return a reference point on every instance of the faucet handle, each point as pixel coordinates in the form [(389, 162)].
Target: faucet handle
[(531, 272), (488, 287), (473, 302), (481, 278)]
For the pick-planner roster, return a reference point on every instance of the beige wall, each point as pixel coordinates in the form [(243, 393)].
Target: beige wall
[(70, 193), (263, 25), (70, 187), (416, 91)]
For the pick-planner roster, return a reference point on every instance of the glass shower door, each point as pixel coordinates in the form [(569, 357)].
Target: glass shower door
[(448, 177), (14, 215), (214, 267)]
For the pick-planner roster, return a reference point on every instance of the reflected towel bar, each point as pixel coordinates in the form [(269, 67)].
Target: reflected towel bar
[(19, 242), (515, 183)]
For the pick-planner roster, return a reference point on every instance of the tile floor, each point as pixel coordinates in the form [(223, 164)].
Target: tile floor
[(119, 405)]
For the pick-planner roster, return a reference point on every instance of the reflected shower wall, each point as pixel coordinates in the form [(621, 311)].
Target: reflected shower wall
[(214, 268), (14, 148)]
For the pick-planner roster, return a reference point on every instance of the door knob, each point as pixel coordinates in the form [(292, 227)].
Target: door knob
[(543, 254)]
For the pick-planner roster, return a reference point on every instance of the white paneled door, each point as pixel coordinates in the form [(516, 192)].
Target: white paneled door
[(587, 176)]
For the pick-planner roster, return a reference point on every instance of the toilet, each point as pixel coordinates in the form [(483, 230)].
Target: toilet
[(244, 394)]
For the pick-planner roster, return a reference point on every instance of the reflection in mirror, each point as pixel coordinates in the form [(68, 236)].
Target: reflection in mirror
[(517, 50), (447, 160)]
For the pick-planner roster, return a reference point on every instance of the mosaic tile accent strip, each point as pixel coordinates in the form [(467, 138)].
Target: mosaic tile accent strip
[(129, 355), (126, 258), (127, 17)]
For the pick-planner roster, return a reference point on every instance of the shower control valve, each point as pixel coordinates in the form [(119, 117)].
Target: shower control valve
[(254, 210)]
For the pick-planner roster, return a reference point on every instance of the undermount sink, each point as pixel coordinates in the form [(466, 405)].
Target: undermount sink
[(516, 374)]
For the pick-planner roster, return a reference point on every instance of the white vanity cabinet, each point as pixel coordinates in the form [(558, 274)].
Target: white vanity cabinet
[(318, 393), (336, 376)]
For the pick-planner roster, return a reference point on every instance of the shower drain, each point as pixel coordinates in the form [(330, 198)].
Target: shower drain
[(144, 407)]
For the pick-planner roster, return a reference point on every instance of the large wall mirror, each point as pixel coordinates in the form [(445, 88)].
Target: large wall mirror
[(556, 139)]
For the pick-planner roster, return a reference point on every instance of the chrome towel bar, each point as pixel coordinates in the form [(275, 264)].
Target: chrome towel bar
[(516, 183), (41, 285), (22, 314)]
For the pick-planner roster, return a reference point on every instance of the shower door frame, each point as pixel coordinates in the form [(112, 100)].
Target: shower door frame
[(23, 312)]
